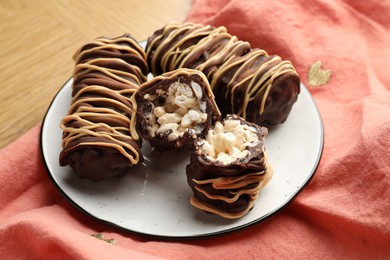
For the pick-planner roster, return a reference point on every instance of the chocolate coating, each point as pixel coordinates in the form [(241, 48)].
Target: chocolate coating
[(97, 162), (229, 189), (97, 141), (245, 81), (153, 95)]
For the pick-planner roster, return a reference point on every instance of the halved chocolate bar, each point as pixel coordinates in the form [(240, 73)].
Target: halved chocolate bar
[(229, 167), (175, 108)]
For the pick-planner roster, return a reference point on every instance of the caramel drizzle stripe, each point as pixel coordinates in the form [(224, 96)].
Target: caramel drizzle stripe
[(209, 208), (248, 59), (179, 55), (223, 53), (103, 46), (175, 26), (106, 115), (76, 133), (136, 68), (99, 89), (283, 68), (221, 181), (119, 145), (226, 66), (135, 47), (233, 199), (99, 99), (84, 68), (130, 75), (133, 119), (150, 46), (175, 30), (173, 50), (265, 82), (127, 91), (194, 32), (152, 43), (253, 56), (235, 185), (100, 111), (219, 32), (108, 47)]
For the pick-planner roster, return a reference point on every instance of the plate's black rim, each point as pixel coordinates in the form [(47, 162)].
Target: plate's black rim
[(198, 236)]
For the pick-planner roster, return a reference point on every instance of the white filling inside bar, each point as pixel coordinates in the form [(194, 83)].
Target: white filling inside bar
[(229, 141), (181, 111)]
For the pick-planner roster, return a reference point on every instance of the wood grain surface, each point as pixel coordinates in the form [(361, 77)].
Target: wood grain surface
[(39, 37)]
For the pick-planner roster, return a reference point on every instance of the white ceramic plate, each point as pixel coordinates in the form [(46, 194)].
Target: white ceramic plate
[(153, 199)]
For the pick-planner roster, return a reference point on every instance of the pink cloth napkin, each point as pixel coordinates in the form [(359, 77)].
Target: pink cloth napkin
[(342, 214)]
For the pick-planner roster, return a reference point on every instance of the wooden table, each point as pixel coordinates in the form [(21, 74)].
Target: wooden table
[(39, 37)]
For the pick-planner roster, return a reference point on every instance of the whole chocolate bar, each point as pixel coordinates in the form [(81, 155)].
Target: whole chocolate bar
[(175, 108), (228, 168), (96, 140), (245, 81)]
